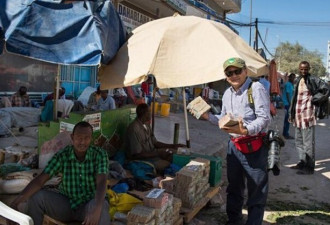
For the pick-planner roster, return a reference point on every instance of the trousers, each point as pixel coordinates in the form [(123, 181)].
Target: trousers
[(250, 169), (305, 145), (57, 206), (286, 125)]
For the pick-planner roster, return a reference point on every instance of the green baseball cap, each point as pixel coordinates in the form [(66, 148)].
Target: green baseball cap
[(237, 62)]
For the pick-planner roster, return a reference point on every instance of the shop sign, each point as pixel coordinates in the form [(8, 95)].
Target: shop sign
[(132, 18), (206, 8), (94, 120), (66, 127), (179, 5), (192, 11)]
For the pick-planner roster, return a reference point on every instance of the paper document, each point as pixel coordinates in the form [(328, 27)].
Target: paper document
[(155, 193), (198, 106), (228, 121)]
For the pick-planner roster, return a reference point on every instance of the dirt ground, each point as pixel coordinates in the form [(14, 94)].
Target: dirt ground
[(292, 199)]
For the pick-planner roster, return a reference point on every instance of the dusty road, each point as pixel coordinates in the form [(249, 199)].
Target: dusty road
[(293, 199)]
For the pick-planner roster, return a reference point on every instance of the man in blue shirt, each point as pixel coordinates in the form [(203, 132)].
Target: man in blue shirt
[(106, 102), (241, 165), (265, 82), (286, 97)]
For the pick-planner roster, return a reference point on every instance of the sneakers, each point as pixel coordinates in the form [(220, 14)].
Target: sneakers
[(306, 171), (288, 137), (299, 166)]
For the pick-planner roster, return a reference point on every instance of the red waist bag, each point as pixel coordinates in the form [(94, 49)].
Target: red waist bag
[(248, 144)]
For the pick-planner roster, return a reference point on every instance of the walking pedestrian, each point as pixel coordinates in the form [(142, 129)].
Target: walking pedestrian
[(246, 159), (309, 92), (287, 96)]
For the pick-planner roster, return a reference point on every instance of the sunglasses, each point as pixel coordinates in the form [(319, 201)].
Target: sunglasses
[(231, 73)]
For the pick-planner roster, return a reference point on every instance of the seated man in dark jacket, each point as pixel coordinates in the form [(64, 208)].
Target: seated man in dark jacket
[(143, 145)]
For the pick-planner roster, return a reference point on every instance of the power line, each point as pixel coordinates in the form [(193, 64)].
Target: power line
[(233, 22), (265, 45), (240, 24), (320, 24)]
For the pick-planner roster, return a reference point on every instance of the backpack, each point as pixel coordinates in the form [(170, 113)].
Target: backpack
[(251, 101)]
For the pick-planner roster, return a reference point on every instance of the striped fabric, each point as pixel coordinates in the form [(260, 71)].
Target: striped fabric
[(78, 178), (305, 111)]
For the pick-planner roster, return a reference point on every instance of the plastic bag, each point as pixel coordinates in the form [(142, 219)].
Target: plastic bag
[(121, 202)]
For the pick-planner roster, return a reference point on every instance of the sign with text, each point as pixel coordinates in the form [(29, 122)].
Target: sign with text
[(94, 120), (66, 127), (179, 5), (132, 18)]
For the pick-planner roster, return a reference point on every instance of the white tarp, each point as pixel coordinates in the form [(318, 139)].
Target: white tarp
[(18, 117)]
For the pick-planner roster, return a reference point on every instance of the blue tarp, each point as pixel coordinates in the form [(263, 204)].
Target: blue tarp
[(81, 32)]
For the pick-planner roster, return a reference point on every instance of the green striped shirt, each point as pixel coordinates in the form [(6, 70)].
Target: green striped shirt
[(78, 178)]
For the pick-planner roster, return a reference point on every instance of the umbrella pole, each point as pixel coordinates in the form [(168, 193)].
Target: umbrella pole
[(153, 109), (185, 117), (56, 92)]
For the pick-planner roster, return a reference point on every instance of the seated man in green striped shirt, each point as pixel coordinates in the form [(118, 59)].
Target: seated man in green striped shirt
[(84, 171)]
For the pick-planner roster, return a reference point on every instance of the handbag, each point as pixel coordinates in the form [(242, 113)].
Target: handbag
[(249, 144)]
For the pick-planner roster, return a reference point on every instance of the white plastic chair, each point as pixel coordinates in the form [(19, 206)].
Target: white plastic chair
[(11, 214)]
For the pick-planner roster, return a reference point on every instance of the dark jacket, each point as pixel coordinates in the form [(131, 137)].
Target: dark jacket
[(319, 90)]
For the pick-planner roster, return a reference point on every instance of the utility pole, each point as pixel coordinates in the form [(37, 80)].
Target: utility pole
[(256, 37), (250, 21)]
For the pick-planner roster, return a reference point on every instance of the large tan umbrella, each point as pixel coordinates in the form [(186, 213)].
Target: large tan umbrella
[(179, 51)]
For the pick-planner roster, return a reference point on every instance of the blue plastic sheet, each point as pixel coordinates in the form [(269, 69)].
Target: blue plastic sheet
[(81, 32)]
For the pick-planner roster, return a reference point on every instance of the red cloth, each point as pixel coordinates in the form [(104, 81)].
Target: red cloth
[(274, 85), (145, 87), (131, 95)]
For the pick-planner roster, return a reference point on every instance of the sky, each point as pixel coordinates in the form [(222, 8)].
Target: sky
[(312, 30)]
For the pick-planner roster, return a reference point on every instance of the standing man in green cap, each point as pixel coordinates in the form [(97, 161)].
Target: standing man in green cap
[(246, 153)]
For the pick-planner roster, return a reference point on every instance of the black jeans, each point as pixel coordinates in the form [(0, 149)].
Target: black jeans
[(252, 168)]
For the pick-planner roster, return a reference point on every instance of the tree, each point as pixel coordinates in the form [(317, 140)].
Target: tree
[(288, 56)]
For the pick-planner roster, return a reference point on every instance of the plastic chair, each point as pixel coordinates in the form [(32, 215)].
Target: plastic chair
[(14, 215)]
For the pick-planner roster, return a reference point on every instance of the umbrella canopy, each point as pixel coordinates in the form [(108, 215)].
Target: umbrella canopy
[(274, 85), (79, 32), (179, 51)]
